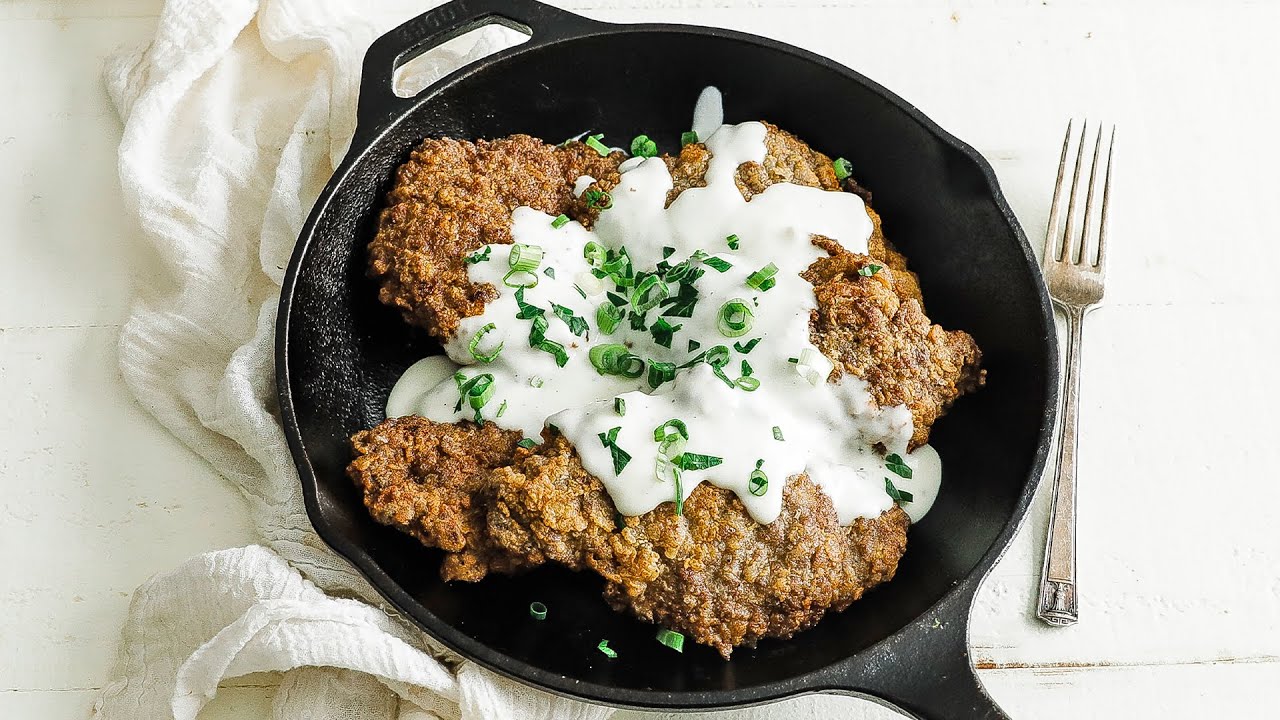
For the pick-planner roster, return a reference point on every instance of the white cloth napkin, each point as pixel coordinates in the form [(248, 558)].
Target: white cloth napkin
[(234, 118)]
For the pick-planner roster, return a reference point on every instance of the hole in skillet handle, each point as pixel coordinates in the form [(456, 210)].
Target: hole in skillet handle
[(379, 101)]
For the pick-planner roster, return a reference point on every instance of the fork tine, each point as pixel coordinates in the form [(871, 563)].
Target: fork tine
[(1051, 253), (1106, 200), (1082, 257), (1066, 255)]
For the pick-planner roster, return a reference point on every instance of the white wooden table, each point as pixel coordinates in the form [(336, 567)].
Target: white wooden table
[(1180, 541)]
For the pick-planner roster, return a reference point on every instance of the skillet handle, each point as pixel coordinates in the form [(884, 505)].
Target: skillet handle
[(926, 670), (378, 101)]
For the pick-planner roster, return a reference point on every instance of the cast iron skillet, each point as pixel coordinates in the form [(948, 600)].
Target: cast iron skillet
[(339, 351)]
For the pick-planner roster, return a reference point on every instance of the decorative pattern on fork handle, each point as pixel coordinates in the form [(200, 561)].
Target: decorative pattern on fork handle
[(1075, 282)]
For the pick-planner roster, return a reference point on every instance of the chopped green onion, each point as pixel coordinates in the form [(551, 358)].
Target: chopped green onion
[(608, 651), (697, 461), (525, 257), (581, 292), (475, 344), (599, 199), (535, 381), (897, 465), (616, 359), (758, 482), (687, 138), (520, 275), (660, 372), (694, 345), (608, 438), (671, 639), (527, 443), (577, 324), (667, 250), (477, 391), (746, 368), (616, 299), (749, 384), (777, 433), (642, 146), (747, 347), (502, 409), (763, 279), (869, 270), (898, 496), (526, 311), (620, 406), (560, 221), (718, 264), (649, 292), (662, 332), (718, 356), (620, 457), (842, 167), (593, 142), (538, 339), (480, 255), (814, 367), (607, 317), (538, 610), (595, 253), (679, 491), (550, 272), (733, 242), (736, 318), (677, 427)]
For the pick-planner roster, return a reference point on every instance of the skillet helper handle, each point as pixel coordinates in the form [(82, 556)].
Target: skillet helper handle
[(378, 101), (926, 670)]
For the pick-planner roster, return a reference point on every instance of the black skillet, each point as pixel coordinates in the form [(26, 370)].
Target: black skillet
[(338, 352)]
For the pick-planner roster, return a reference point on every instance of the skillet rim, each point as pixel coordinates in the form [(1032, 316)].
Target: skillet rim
[(956, 600)]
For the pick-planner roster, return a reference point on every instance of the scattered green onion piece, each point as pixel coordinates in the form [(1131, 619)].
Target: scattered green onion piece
[(897, 465), (842, 167), (747, 370), (717, 356), (747, 347), (620, 406), (535, 381), (581, 292), (480, 255), (593, 142), (763, 279), (525, 257), (607, 317), (758, 482), (667, 251), (749, 384), (677, 427), (642, 146), (733, 242), (814, 367), (687, 138), (538, 611), (671, 447), (718, 264), (502, 409), (595, 253), (549, 272), (869, 270), (777, 434), (694, 345), (616, 359), (697, 461), (560, 221), (679, 492), (527, 443), (599, 199), (663, 331), (608, 651), (474, 345), (620, 457), (898, 496), (660, 372), (577, 324), (649, 293), (610, 437), (671, 639), (526, 311), (520, 275), (736, 318)]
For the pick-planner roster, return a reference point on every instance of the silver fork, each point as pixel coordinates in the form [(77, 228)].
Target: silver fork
[(1075, 279)]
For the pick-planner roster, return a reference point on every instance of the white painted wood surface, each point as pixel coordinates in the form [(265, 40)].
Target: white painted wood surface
[(1180, 547)]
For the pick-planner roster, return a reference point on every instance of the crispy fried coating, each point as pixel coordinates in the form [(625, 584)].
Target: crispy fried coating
[(713, 573)]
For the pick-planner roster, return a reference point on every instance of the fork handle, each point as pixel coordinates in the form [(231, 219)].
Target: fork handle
[(1057, 604)]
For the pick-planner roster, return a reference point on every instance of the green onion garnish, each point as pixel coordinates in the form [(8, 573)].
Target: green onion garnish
[(662, 332), (577, 324), (523, 279), (694, 345), (608, 651), (642, 146), (687, 138), (595, 253), (477, 391), (671, 639), (535, 381), (660, 372), (869, 270), (525, 257), (736, 318), (609, 438), (560, 221), (474, 345), (758, 482), (749, 384), (616, 359), (763, 279), (607, 317), (649, 292), (898, 496), (814, 367), (679, 491), (697, 461), (674, 426), (897, 465), (599, 199), (620, 406), (480, 255), (719, 264), (525, 310), (527, 443), (593, 142), (717, 356), (501, 409), (620, 457), (747, 347), (733, 242), (777, 433), (581, 292), (538, 339), (667, 250), (549, 272), (538, 610), (842, 167)]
